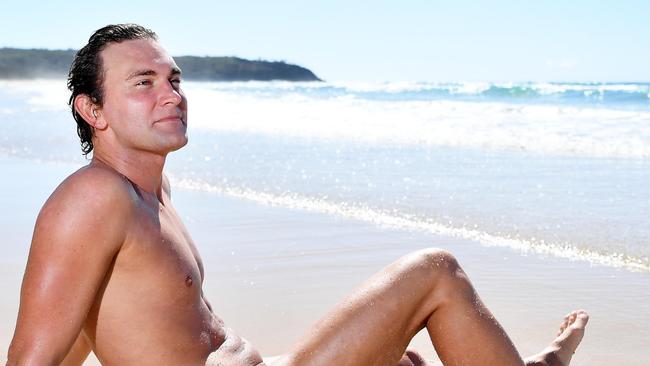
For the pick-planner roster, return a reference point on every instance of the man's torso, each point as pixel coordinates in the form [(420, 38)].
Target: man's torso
[(150, 308)]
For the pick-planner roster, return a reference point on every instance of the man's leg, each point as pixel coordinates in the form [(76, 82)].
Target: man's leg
[(376, 323)]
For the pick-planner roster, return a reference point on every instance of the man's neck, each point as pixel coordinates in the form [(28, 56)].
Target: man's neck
[(143, 169)]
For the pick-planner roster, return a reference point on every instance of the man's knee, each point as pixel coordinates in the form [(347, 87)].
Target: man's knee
[(436, 267), (441, 274), (437, 261)]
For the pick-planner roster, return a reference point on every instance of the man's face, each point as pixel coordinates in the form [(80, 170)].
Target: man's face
[(144, 106)]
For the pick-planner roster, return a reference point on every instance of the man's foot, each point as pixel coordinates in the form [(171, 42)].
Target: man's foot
[(560, 351)]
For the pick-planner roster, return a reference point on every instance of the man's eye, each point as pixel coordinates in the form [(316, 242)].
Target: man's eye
[(175, 81), (144, 82)]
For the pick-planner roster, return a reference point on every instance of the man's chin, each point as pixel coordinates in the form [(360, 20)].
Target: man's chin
[(180, 144)]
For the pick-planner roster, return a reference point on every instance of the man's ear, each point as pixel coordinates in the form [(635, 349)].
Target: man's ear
[(90, 111)]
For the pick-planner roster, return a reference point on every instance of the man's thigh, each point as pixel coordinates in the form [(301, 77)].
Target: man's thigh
[(375, 324)]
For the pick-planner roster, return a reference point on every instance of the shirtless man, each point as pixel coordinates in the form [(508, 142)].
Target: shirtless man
[(113, 269)]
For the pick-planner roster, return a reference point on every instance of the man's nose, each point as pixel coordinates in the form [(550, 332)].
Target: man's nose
[(171, 95)]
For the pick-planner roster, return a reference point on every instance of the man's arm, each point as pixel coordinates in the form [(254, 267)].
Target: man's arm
[(77, 234)]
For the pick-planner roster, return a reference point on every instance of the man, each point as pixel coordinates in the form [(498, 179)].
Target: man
[(113, 269)]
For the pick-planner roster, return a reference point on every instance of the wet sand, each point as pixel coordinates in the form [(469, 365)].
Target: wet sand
[(272, 271)]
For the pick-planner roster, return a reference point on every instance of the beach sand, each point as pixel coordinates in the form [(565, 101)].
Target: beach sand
[(271, 272)]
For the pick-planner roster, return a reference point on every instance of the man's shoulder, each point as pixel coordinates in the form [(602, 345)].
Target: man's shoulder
[(92, 188), (93, 206), (97, 182)]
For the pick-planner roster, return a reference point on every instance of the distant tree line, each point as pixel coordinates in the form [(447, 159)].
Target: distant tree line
[(18, 63)]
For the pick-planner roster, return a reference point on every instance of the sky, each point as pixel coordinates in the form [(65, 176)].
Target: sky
[(373, 41)]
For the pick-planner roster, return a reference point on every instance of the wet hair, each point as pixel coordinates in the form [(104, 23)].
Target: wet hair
[(86, 75)]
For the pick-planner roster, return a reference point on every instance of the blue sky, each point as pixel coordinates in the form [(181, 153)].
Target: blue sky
[(373, 40)]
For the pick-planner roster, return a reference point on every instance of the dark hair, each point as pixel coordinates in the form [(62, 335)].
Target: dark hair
[(86, 75)]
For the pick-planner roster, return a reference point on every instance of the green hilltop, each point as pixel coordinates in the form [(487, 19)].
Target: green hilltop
[(16, 63)]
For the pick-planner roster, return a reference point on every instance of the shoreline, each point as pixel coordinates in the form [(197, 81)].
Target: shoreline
[(273, 271)]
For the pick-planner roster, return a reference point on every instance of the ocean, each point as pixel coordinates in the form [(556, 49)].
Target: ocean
[(548, 169)]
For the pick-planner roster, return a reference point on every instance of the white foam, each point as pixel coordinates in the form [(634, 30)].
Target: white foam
[(392, 219), (462, 88), (543, 129), (40, 94)]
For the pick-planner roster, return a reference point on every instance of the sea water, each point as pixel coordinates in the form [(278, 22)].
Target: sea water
[(554, 169)]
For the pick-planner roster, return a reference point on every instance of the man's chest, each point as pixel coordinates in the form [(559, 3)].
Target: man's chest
[(159, 258)]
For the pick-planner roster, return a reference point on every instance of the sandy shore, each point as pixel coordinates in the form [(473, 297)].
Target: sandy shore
[(271, 272)]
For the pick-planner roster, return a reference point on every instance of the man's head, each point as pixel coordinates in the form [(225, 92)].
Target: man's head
[(86, 74)]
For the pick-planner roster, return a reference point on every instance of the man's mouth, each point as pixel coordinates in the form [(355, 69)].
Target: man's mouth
[(171, 118)]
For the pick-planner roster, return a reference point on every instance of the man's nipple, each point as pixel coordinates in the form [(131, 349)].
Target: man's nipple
[(188, 281)]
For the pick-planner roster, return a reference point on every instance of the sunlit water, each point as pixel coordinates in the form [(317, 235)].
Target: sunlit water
[(556, 169)]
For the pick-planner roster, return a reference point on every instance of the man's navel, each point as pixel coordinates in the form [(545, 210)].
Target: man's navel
[(188, 281)]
